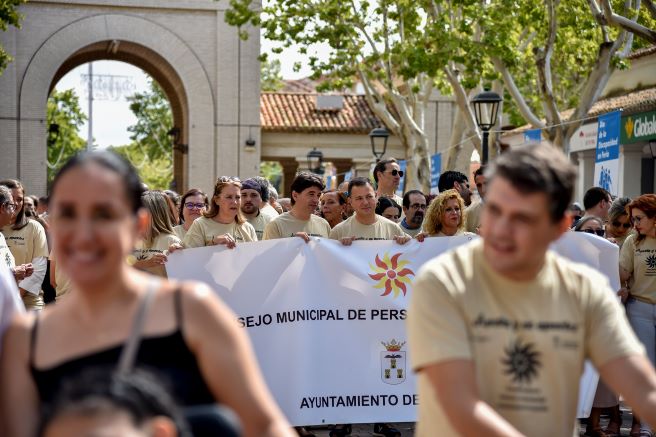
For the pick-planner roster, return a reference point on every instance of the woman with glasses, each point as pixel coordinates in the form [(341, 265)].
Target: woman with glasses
[(188, 336), (192, 205), (591, 225), (444, 217), (28, 244), (619, 225), (638, 277), (224, 222), (152, 251)]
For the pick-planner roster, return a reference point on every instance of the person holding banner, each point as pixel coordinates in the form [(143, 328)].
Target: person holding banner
[(223, 223), (638, 267), (192, 206), (189, 337), (444, 217), (365, 224), (301, 221), (499, 328)]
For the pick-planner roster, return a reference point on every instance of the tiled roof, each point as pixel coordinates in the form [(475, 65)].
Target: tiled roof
[(643, 52), (631, 103), (305, 85), (296, 112)]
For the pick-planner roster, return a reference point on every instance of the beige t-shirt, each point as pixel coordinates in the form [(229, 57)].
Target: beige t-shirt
[(203, 230), (5, 254), (269, 211), (641, 261), (382, 229), (26, 244), (160, 245), (473, 216), (527, 340), (286, 225), (62, 280), (180, 231), (259, 222)]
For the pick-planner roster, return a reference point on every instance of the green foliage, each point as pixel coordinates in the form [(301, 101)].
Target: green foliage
[(272, 171), (151, 148), (9, 16), (271, 78), (64, 112)]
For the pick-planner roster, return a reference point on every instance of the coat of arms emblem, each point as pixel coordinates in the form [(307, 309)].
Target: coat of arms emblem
[(392, 362)]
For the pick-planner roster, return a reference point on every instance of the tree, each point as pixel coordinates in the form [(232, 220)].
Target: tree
[(271, 79), (64, 120), (151, 149), (9, 16)]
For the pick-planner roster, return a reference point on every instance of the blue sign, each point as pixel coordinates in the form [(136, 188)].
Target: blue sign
[(403, 165), (607, 154), (533, 136), (436, 170)]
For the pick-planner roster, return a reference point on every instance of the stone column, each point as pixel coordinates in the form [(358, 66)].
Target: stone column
[(289, 170), (342, 166), (630, 170), (586, 166)]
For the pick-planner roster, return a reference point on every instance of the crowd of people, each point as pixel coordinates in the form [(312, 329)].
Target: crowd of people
[(104, 268)]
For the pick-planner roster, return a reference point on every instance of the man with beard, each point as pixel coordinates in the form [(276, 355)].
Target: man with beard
[(473, 211), (251, 199), (458, 181), (414, 209)]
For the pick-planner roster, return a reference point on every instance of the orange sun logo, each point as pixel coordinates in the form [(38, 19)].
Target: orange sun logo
[(391, 274)]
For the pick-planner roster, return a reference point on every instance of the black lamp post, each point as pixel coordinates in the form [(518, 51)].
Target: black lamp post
[(652, 148), (486, 109), (315, 161), (377, 136)]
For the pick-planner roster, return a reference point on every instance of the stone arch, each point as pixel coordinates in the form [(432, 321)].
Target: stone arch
[(156, 50)]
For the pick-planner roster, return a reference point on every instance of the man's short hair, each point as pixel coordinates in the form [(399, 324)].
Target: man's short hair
[(593, 196), (380, 167), (303, 181), (406, 197), (480, 171), (358, 182), (449, 178), (5, 195), (538, 168)]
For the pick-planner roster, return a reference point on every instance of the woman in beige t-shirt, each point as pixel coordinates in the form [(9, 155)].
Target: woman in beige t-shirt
[(223, 223), (192, 206), (152, 251), (444, 217), (638, 265)]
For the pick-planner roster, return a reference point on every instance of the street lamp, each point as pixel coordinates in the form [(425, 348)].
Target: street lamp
[(486, 109), (378, 135), (315, 161)]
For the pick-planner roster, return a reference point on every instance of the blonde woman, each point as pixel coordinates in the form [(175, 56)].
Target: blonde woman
[(151, 253), (444, 217), (223, 223)]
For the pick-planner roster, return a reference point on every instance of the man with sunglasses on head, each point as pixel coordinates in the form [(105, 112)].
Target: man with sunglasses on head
[(499, 328), (387, 175), (414, 210)]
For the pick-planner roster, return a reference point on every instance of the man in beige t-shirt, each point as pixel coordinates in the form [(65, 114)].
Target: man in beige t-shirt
[(473, 211), (300, 221), (365, 224), (499, 329)]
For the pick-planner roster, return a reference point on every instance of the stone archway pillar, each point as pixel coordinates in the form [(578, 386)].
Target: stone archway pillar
[(290, 166)]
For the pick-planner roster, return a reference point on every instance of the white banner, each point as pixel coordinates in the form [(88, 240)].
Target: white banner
[(327, 321)]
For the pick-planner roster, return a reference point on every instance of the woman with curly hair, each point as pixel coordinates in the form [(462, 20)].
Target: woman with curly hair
[(224, 222), (444, 217)]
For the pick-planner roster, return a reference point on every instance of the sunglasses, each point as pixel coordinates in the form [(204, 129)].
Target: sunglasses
[(397, 173), (624, 225), (599, 232), (226, 179), (191, 205)]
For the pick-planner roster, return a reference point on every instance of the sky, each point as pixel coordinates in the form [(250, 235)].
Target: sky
[(111, 112)]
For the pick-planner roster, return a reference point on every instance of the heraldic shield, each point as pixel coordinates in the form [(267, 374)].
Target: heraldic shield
[(392, 363)]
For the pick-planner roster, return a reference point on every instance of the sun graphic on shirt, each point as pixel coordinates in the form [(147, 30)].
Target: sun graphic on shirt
[(391, 274), (521, 361), (651, 261)]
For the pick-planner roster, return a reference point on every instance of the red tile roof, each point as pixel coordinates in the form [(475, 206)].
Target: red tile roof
[(296, 112)]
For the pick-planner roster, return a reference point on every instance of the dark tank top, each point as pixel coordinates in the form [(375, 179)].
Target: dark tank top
[(166, 356)]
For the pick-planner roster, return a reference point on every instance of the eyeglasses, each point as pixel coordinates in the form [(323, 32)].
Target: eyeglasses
[(396, 172), (456, 210), (624, 225), (11, 207), (192, 205), (418, 206), (599, 232)]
